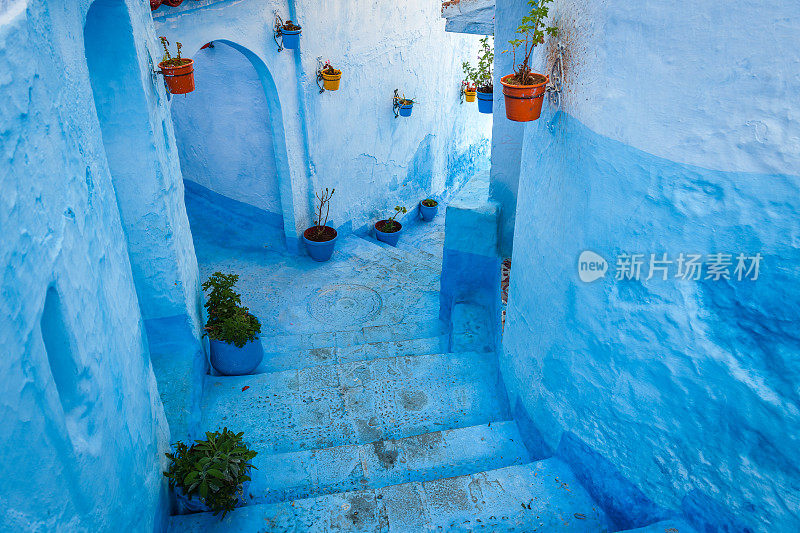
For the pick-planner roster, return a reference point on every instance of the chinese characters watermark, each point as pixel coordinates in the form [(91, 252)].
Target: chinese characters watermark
[(684, 266)]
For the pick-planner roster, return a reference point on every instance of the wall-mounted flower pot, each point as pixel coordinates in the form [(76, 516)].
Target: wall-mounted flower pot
[(405, 109), (154, 4), (524, 102), (485, 102), (469, 96), (320, 247), (172, 3), (389, 237), (428, 212), (331, 81), (291, 38), (228, 359), (180, 79)]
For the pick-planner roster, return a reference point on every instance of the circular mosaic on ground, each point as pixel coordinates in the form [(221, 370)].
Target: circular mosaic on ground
[(345, 305)]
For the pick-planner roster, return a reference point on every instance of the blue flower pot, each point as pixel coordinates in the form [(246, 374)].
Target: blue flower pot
[(388, 238), (405, 110), (291, 39), (485, 102), (229, 360), (428, 213), (319, 251)]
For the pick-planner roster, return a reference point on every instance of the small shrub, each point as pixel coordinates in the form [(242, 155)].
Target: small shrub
[(480, 77), (430, 202), (170, 61), (213, 470), (390, 225), (228, 321), (532, 30)]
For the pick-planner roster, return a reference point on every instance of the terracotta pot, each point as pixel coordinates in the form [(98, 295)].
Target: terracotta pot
[(469, 96), (172, 3), (523, 102), (331, 81), (154, 4), (180, 80)]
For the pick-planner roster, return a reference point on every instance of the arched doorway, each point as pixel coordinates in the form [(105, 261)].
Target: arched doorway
[(229, 133)]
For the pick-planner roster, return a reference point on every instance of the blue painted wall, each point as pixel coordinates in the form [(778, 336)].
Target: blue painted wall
[(83, 427), (349, 140), (223, 130), (671, 140)]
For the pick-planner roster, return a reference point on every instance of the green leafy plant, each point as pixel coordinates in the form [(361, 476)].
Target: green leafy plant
[(213, 470), (228, 321), (430, 202), (390, 225), (480, 77), (170, 61), (532, 30)]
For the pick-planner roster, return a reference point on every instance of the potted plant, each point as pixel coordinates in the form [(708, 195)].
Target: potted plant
[(388, 230), (330, 77), (177, 71), (480, 77), (210, 475), (524, 89), (154, 4), (232, 330), (320, 238), (404, 105), (428, 209), (290, 35), (469, 91), (172, 3)]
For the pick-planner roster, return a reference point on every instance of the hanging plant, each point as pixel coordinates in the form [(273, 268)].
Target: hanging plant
[(178, 71), (330, 77), (290, 35), (524, 89), (154, 4), (480, 77)]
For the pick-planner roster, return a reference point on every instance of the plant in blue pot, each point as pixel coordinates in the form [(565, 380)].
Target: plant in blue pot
[(212, 474), (404, 105), (320, 238), (290, 35), (232, 330), (481, 76), (388, 230), (428, 209)]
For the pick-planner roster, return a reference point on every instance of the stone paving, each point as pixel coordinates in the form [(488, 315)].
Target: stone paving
[(368, 413)]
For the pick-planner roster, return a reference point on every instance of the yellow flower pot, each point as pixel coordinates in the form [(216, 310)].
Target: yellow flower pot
[(469, 96), (331, 81)]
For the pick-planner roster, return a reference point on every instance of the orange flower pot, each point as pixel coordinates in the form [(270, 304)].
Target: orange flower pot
[(180, 80), (469, 96), (523, 102), (331, 81)]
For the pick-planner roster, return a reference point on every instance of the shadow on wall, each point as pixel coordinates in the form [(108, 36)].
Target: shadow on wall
[(229, 132)]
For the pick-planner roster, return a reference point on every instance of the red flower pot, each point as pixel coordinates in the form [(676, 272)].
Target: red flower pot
[(154, 4), (523, 102), (180, 80)]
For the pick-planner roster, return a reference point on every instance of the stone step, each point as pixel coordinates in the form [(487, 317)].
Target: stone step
[(331, 355), (403, 331), (368, 248), (356, 403), (455, 452), (543, 496), (472, 328), (666, 526)]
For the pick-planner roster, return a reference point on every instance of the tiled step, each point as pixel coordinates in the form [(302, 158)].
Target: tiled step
[(356, 403), (667, 526), (297, 475), (331, 355), (542, 496)]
